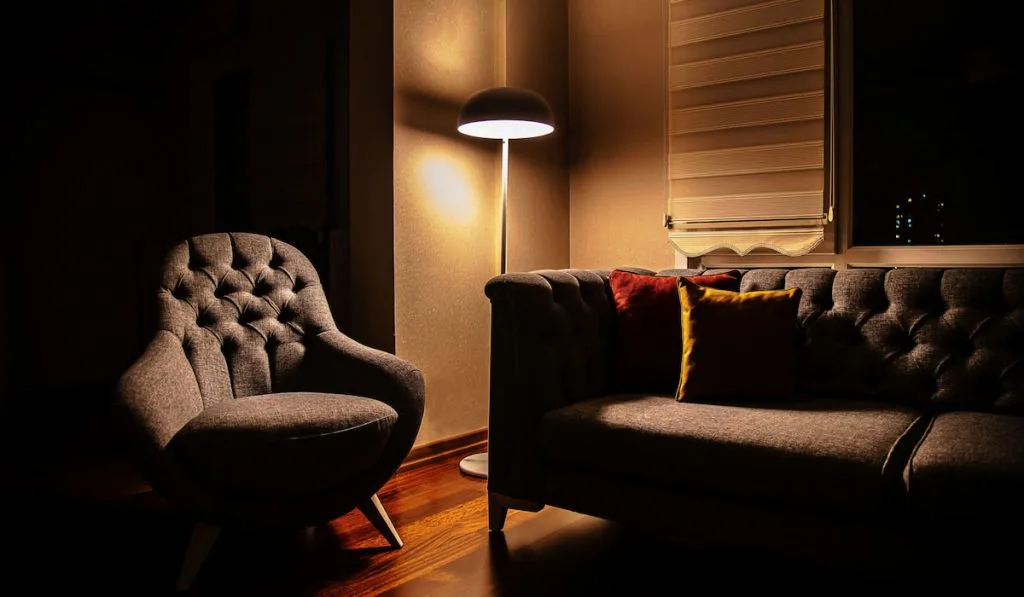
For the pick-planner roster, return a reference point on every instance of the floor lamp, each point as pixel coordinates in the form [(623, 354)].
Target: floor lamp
[(502, 113)]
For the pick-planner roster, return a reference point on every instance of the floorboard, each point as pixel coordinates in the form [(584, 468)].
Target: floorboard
[(134, 545)]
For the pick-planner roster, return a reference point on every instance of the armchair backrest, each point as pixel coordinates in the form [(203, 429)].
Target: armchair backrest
[(242, 306)]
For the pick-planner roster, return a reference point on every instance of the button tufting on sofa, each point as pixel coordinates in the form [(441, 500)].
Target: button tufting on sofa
[(205, 319), (911, 391)]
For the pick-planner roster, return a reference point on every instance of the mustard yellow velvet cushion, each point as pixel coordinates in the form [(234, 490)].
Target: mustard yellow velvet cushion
[(737, 345)]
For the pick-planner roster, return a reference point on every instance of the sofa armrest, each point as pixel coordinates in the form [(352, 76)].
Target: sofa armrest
[(550, 346)]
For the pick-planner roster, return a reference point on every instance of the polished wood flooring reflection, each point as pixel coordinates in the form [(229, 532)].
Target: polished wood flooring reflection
[(134, 545)]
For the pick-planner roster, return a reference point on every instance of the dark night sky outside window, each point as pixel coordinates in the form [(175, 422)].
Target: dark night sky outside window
[(936, 141)]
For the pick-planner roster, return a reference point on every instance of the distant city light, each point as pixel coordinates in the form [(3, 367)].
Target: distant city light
[(929, 226)]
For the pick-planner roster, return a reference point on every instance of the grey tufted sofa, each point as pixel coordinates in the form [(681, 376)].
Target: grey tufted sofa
[(903, 452), (250, 408)]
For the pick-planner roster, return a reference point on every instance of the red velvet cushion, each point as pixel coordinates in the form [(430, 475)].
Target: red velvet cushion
[(649, 346)]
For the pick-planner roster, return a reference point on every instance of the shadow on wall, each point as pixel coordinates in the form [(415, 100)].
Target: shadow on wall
[(428, 113)]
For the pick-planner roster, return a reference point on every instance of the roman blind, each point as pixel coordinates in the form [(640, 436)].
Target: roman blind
[(747, 123)]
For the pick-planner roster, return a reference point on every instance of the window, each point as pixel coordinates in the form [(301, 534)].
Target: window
[(935, 147), (747, 144)]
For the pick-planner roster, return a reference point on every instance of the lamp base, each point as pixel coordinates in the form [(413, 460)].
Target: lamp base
[(474, 465)]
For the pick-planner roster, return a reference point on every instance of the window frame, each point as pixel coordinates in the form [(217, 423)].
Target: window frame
[(848, 255)]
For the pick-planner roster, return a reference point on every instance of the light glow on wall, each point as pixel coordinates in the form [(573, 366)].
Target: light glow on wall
[(447, 188)]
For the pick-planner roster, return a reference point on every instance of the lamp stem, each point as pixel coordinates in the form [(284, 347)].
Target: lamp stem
[(504, 205), (476, 465)]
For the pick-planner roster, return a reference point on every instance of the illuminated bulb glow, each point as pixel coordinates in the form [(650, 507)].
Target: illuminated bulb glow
[(506, 129)]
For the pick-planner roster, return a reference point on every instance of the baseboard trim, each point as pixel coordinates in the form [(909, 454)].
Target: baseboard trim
[(469, 443)]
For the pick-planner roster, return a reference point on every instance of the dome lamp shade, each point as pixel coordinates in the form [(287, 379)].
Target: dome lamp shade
[(506, 113)]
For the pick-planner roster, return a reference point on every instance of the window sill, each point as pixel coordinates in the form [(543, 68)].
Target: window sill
[(883, 256), (941, 256)]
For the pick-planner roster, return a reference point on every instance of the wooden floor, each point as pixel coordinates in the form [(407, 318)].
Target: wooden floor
[(134, 546)]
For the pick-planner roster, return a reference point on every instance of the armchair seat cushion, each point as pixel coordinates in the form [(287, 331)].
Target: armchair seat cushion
[(835, 455), (284, 444)]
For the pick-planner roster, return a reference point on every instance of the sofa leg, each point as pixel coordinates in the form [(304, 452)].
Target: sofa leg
[(199, 546), (498, 505), (496, 512), (374, 511)]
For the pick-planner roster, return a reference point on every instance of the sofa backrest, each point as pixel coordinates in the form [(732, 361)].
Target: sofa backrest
[(950, 339)]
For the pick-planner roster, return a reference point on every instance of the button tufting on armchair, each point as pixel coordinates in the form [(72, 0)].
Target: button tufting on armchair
[(250, 408)]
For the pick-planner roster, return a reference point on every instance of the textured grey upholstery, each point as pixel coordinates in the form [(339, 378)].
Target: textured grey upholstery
[(837, 455), (242, 306), (954, 338), (969, 469), (243, 317), (284, 444), (882, 352), (550, 343)]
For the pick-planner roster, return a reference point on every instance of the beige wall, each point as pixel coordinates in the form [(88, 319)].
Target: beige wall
[(446, 187), (446, 218), (617, 97), (537, 58)]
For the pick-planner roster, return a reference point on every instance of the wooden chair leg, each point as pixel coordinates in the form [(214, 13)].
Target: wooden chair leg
[(199, 546), (374, 511)]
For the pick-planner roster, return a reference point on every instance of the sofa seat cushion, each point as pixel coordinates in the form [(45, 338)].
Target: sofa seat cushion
[(968, 467), (837, 455), (284, 444)]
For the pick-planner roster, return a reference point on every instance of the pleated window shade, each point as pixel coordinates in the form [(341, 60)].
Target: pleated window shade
[(746, 126)]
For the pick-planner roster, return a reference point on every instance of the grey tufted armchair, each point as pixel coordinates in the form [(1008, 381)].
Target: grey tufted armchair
[(249, 407)]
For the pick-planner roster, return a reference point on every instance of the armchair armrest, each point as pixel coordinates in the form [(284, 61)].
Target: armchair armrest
[(156, 397), (159, 393), (341, 365), (550, 346)]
